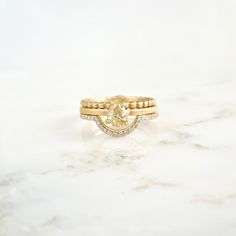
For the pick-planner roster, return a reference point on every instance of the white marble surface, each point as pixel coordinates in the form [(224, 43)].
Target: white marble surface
[(175, 176)]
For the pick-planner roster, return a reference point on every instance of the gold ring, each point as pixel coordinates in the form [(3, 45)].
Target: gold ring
[(120, 115)]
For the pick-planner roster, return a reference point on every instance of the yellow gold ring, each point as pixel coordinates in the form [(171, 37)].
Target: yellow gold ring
[(118, 116)]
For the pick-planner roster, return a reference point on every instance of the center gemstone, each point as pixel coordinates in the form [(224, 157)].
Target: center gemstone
[(117, 115)]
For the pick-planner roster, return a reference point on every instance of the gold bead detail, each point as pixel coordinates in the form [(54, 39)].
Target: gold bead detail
[(133, 105), (140, 105), (89, 104), (95, 105), (101, 105), (145, 104)]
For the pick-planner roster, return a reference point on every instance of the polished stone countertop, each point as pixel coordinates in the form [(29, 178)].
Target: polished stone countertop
[(60, 175)]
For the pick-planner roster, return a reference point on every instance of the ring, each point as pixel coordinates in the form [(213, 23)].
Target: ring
[(119, 115)]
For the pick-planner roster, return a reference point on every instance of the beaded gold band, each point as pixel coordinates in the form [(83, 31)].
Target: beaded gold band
[(129, 102), (119, 115)]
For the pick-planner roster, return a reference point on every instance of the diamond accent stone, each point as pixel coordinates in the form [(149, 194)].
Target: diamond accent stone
[(121, 130)]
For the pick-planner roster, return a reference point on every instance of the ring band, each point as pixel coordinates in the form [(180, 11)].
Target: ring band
[(120, 115)]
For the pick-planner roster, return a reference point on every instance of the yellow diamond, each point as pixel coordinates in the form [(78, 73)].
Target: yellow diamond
[(117, 114)]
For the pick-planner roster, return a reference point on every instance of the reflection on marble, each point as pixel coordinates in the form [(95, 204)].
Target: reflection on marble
[(176, 175)]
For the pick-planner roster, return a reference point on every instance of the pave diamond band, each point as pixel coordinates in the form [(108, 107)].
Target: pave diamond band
[(118, 116)]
